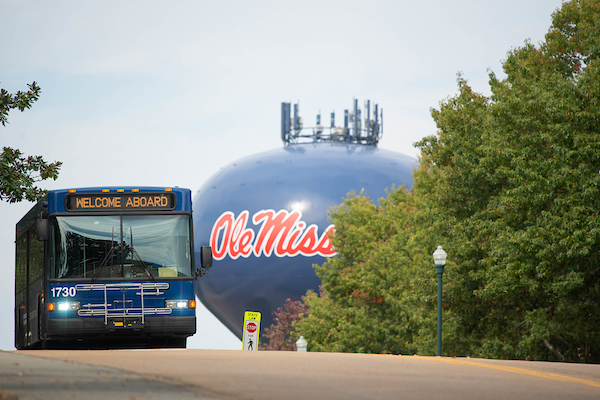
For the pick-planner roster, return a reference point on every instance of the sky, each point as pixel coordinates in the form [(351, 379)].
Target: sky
[(157, 93)]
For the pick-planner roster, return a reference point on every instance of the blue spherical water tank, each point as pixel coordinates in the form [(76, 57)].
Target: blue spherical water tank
[(266, 217)]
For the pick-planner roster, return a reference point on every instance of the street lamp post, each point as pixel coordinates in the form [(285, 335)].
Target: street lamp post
[(439, 258)]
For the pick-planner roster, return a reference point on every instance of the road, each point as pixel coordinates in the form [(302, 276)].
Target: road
[(228, 374)]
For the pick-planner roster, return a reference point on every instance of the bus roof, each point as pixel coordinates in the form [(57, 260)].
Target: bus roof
[(65, 201)]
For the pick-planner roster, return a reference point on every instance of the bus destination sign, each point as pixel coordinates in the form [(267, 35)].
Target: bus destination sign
[(120, 201)]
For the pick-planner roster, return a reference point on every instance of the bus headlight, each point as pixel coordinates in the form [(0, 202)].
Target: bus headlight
[(64, 306), (179, 304)]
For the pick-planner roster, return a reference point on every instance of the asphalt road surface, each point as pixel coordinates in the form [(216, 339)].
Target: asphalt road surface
[(228, 374)]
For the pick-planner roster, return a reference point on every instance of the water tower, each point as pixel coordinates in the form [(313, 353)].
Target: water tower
[(265, 215)]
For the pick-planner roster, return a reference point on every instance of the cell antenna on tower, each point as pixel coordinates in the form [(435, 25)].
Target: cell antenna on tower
[(353, 131)]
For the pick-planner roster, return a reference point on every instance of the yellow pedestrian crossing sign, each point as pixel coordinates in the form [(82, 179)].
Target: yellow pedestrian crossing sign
[(251, 331)]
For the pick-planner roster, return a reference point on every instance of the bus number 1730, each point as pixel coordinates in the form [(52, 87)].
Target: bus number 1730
[(64, 291)]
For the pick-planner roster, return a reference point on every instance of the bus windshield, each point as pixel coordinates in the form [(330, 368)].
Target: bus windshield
[(121, 246)]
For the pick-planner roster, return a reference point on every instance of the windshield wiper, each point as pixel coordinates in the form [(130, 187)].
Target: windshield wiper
[(136, 257), (108, 256)]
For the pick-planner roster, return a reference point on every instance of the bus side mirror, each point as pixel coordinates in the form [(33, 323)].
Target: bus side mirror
[(42, 229), (206, 258)]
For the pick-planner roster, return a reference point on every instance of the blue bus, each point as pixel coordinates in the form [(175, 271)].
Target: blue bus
[(107, 268)]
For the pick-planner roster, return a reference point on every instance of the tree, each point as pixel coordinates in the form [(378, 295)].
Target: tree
[(280, 335), (20, 100), (520, 192), (18, 174), (375, 294)]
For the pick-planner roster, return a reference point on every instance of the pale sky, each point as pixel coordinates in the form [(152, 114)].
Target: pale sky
[(156, 93)]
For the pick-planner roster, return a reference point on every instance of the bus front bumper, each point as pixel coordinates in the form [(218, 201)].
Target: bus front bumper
[(92, 327)]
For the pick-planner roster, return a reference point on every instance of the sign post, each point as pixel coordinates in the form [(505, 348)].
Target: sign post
[(251, 331)]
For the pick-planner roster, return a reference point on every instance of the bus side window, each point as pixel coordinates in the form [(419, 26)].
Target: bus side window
[(21, 265), (36, 257)]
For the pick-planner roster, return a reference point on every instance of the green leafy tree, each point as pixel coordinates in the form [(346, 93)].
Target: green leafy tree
[(18, 173), (520, 194), (20, 100), (376, 292)]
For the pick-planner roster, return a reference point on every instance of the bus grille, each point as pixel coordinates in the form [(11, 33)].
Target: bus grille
[(122, 306)]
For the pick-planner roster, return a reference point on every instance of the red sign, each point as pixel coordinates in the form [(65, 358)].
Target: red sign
[(281, 233), (251, 327)]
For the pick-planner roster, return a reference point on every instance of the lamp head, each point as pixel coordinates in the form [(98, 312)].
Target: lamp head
[(439, 256), (301, 344)]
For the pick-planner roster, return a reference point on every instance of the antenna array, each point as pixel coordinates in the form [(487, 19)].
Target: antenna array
[(293, 130)]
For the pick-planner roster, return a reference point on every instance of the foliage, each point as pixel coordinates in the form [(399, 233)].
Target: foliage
[(522, 191), (376, 292), (20, 100), (281, 335), (18, 174)]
